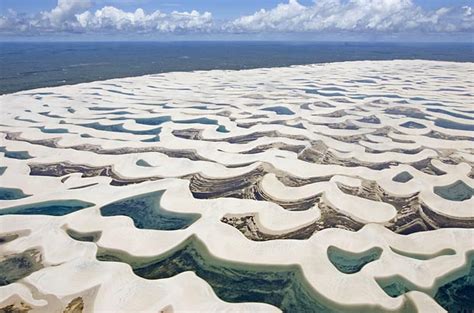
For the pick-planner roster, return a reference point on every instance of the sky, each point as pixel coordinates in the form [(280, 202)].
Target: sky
[(328, 20)]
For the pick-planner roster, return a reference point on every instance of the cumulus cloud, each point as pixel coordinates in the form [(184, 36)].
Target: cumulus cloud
[(354, 15), (65, 12), (75, 16), (111, 18), (60, 18), (14, 22), (323, 16)]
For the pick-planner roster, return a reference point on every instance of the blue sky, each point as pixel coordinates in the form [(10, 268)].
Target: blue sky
[(208, 19), (220, 8)]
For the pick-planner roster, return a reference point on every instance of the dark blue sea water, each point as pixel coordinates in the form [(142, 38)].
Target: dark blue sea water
[(32, 65)]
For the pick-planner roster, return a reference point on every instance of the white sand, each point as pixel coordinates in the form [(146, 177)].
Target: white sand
[(113, 287)]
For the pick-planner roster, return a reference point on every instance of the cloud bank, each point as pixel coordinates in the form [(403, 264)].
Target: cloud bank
[(75, 16), (366, 16), (111, 18), (355, 15)]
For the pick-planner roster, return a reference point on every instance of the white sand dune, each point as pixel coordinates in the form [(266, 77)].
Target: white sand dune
[(343, 187)]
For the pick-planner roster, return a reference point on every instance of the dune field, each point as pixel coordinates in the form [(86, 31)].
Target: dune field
[(340, 187)]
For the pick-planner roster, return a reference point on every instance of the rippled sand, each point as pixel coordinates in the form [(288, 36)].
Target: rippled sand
[(343, 187)]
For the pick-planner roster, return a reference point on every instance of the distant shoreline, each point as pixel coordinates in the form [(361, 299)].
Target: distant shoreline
[(138, 77), (31, 65)]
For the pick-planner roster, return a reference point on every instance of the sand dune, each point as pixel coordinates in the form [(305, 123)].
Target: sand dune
[(343, 187)]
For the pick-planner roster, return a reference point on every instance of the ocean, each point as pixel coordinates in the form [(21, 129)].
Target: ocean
[(26, 66)]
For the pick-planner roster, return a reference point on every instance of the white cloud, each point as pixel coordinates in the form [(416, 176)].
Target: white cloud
[(73, 15), (111, 18), (323, 16), (354, 15), (65, 12)]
